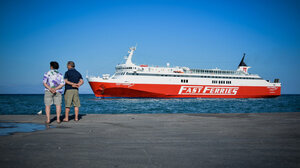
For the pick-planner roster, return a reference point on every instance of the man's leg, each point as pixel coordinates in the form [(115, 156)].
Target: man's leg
[(47, 109), (76, 109), (48, 100), (67, 110), (57, 102), (58, 111), (68, 102), (76, 102)]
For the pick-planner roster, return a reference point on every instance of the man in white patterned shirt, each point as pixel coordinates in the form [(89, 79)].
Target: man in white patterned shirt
[(53, 82)]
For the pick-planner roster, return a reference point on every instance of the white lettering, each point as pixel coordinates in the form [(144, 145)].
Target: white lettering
[(198, 90), (182, 89), (206, 89), (234, 91), (217, 91)]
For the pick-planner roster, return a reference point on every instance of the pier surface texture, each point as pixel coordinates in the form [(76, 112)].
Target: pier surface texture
[(157, 140)]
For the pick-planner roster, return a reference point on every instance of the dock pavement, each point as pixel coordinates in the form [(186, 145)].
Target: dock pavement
[(157, 141)]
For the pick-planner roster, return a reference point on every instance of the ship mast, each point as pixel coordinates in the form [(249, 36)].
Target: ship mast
[(128, 59)]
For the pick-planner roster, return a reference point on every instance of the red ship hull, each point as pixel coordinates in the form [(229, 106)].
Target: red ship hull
[(130, 90)]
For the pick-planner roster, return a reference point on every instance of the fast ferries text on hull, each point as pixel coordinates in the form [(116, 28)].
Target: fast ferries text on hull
[(142, 81)]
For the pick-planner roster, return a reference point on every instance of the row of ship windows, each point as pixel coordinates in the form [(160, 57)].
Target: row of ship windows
[(212, 71), (125, 68), (194, 76), (184, 81), (214, 81), (221, 82)]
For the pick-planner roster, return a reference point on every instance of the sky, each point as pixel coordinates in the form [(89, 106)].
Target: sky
[(96, 35)]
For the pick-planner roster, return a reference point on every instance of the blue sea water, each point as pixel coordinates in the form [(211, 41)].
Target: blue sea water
[(31, 104), (11, 128)]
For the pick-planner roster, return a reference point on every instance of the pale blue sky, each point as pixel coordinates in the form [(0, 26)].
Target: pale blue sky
[(97, 34)]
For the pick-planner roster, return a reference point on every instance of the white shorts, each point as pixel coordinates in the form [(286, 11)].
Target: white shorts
[(51, 98)]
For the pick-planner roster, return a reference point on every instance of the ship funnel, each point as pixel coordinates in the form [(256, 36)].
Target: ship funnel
[(276, 80), (242, 63), (243, 66)]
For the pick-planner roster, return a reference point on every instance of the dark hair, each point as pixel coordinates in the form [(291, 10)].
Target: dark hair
[(54, 64), (71, 63)]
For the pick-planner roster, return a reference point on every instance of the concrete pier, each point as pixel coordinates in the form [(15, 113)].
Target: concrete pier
[(157, 140)]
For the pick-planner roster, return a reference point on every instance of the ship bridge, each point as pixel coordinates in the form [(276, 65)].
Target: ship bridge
[(130, 67)]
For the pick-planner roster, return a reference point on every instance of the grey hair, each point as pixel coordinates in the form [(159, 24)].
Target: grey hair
[(71, 63)]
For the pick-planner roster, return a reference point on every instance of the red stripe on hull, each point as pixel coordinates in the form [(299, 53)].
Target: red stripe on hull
[(102, 89)]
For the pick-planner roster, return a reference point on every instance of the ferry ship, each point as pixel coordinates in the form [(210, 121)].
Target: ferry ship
[(143, 81)]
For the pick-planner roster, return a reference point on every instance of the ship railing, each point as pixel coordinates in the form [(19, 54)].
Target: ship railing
[(217, 72)]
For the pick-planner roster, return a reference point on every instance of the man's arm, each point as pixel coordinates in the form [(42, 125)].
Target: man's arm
[(71, 83), (68, 82), (77, 85), (60, 86), (81, 82), (52, 90), (47, 86)]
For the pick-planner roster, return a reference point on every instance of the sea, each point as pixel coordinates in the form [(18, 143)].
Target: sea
[(16, 104)]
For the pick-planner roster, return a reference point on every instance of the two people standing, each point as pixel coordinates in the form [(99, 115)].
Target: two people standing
[(54, 82)]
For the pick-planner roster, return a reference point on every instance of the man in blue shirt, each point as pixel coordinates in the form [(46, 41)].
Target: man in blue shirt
[(73, 80)]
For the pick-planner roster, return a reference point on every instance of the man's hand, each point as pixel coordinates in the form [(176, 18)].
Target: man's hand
[(75, 85), (52, 90)]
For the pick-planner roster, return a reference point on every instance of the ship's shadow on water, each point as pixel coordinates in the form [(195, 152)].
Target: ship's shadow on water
[(31, 104)]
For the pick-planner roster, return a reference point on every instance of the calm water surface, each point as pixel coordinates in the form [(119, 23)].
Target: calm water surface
[(31, 104)]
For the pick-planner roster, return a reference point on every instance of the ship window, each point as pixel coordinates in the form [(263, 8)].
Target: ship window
[(184, 81)]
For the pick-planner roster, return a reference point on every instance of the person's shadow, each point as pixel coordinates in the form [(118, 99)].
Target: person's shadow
[(71, 117)]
